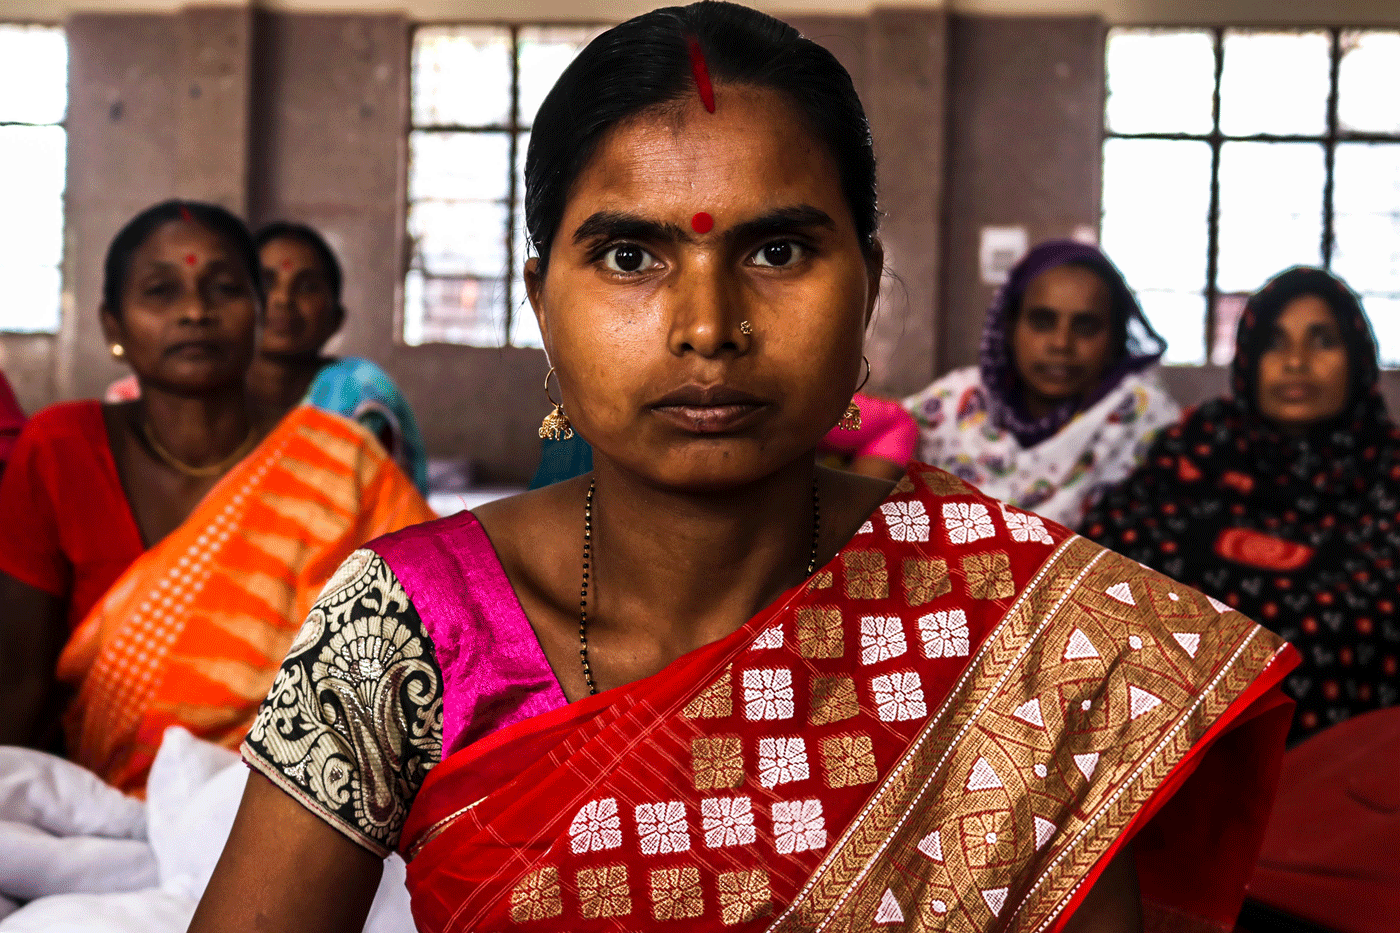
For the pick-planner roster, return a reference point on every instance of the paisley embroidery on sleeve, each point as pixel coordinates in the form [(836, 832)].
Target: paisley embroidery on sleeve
[(354, 718)]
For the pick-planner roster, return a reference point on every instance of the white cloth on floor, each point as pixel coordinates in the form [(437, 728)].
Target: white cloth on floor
[(63, 830), (91, 860)]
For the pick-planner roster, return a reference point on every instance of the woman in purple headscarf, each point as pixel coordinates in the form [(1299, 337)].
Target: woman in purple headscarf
[(1067, 395)]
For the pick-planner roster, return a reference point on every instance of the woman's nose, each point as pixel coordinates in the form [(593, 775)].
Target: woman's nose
[(198, 308), (706, 314)]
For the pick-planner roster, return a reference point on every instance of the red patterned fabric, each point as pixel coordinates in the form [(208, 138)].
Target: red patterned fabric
[(959, 720)]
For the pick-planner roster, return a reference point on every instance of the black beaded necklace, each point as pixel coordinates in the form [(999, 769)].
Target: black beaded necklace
[(587, 557)]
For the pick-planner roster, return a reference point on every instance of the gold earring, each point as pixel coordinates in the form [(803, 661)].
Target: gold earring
[(118, 351), (745, 328), (555, 426), (850, 421)]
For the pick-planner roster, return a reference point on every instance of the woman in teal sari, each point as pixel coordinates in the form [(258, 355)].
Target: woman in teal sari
[(303, 280)]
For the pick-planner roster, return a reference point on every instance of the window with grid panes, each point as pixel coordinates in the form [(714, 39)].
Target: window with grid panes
[(33, 160), (474, 92), (1231, 154)]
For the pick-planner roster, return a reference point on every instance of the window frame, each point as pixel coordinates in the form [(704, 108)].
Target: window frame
[(1329, 140), (514, 129), (62, 124)]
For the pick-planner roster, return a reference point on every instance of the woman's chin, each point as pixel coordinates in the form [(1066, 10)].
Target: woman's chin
[(194, 385)]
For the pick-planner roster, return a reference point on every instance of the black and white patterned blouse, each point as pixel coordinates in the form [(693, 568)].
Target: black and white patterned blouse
[(353, 723)]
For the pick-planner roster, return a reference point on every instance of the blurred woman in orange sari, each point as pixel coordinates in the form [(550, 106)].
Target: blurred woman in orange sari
[(156, 555)]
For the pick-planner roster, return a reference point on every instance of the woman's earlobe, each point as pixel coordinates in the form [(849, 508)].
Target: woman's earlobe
[(111, 331)]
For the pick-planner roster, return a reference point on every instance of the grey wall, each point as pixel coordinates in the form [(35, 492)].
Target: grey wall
[(1025, 130), (898, 62)]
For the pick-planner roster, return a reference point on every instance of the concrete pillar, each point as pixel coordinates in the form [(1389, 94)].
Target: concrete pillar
[(906, 71), (213, 105), (1025, 135)]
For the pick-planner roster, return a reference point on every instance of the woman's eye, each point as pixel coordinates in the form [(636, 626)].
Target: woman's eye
[(779, 254), (1089, 326), (627, 258)]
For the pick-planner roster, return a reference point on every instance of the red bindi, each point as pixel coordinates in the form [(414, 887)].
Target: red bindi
[(702, 223), (701, 71), (286, 265), (191, 259)]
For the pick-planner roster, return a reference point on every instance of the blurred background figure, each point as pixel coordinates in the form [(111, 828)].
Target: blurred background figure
[(1282, 498), (303, 281), (158, 555), (304, 311), (1066, 396)]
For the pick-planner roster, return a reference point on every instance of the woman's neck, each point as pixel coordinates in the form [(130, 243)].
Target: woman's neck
[(280, 382), (683, 570), (1037, 405), (197, 430)]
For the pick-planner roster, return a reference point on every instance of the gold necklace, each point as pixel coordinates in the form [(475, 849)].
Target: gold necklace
[(588, 556), (197, 472)]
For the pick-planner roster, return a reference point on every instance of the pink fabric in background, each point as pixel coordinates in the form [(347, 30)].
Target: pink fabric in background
[(886, 431), (494, 672)]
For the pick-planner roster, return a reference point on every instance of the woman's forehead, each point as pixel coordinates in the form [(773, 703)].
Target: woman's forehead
[(1072, 284), (753, 151), (289, 251), (1306, 310), (176, 235)]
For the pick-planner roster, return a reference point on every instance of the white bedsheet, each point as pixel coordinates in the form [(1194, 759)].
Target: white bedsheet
[(91, 860)]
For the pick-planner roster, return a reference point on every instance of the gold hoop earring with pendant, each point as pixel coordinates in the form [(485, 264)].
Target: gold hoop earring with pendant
[(850, 421), (555, 426)]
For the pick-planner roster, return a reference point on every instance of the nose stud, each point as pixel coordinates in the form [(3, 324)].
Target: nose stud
[(745, 328)]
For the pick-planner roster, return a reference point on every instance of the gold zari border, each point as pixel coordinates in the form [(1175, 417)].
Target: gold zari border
[(1022, 812)]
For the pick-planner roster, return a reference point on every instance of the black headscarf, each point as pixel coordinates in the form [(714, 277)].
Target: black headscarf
[(1301, 533)]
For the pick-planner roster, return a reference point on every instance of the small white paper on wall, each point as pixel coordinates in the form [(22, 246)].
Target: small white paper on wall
[(1001, 248)]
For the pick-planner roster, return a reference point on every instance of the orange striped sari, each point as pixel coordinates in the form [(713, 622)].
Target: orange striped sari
[(193, 632)]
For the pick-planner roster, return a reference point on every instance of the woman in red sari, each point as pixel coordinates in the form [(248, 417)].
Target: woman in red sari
[(788, 698)]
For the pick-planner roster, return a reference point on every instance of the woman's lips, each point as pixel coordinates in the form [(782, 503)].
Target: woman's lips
[(709, 409), (1052, 372), (1295, 392), (197, 349), (709, 419)]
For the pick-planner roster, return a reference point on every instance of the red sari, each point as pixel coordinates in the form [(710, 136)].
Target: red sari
[(954, 725)]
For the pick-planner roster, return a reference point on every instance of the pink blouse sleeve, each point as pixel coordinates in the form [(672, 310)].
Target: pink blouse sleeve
[(886, 431)]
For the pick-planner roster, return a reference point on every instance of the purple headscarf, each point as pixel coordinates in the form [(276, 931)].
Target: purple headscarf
[(1141, 345)]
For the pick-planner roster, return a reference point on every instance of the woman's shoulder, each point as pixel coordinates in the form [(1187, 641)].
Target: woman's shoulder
[(77, 417), (411, 546), (949, 383), (350, 373), (64, 433), (1149, 382)]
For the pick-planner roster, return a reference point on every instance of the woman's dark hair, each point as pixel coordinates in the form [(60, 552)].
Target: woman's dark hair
[(1256, 329), (311, 238), (138, 229), (645, 62)]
